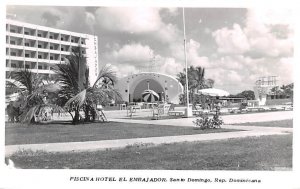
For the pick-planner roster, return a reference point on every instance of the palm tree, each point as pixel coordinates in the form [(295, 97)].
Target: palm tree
[(33, 92), (76, 92), (196, 79)]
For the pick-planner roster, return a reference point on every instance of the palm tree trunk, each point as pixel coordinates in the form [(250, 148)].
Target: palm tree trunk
[(76, 116)]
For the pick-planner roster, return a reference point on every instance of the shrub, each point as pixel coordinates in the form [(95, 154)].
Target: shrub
[(204, 122)]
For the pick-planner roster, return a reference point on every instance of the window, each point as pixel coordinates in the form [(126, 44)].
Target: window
[(82, 42), (40, 67), (61, 38), (51, 37), (13, 30), (39, 35), (62, 49), (62, 59), (13, 53), (13, 65), (51, 58), (27, 44), (26, 33), (12, 42), (39, 46), (51, 47), (72, 40), (27, 55), (27, 66), (40, 56)]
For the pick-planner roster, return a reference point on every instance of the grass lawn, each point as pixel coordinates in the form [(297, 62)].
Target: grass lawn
[(282, 123), (58, 132), (252, 153)]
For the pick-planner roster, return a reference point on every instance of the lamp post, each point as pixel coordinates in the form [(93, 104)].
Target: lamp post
[(188, 112)]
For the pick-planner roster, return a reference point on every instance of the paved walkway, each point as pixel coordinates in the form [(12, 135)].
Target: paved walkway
[(248, 131)]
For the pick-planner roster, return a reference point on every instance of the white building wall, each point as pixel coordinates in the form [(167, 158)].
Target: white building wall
[(39, 48), (92, 57)]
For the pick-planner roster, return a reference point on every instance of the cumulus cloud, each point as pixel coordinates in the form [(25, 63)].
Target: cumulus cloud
[(192, 50), (235, 72), (145, 21), (231, 41), (171, 67), (135, 54), (193, 55), (69, 18), (124, 70), (266, 33), (137, 20)]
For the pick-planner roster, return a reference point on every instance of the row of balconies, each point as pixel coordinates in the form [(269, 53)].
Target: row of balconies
[(14, 65), (20, 36), (51, 59), (13, 41), (32, 53), (43, 34)]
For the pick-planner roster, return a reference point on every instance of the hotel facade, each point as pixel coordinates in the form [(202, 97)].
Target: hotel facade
[(39, 48)]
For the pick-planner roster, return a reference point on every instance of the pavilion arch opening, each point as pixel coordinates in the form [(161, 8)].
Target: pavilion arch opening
[(143, 85)]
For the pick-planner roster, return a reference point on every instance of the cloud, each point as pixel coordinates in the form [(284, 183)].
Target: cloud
[(171, 67), (239, 72), (231, 41), (135, 54), (194, 58), (75, 19), (145, 21), (136, 20), (168, 33), (50, 19), (266, 33)]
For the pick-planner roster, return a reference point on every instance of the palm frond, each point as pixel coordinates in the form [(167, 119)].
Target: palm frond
[(14, 86), (26, 117), (107, 73), (25, 77), (76, 101), (48, 88)]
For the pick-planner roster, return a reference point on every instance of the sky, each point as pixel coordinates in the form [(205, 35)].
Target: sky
[(234, 45)]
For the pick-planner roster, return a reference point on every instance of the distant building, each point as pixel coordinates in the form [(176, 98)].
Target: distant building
[(266, 91), (39, 48), (167, 87)]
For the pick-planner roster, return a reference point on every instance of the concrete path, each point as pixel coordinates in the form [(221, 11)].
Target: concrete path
[(248, 131), (228, 119)]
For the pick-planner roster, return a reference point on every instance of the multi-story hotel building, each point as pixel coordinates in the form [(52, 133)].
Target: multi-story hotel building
[(39, 48)]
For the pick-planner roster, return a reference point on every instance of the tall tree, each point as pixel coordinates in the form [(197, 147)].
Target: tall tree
[(196, 80), (77, 93)]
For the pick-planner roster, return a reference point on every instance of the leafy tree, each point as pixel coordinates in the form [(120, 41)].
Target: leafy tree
[(286, 91), (248, 94), (34, 92), (77, 93)]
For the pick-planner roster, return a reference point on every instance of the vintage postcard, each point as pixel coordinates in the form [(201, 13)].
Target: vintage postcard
[(176, 94)]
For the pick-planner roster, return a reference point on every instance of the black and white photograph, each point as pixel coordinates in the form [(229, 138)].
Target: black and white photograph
[(150, 88)]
